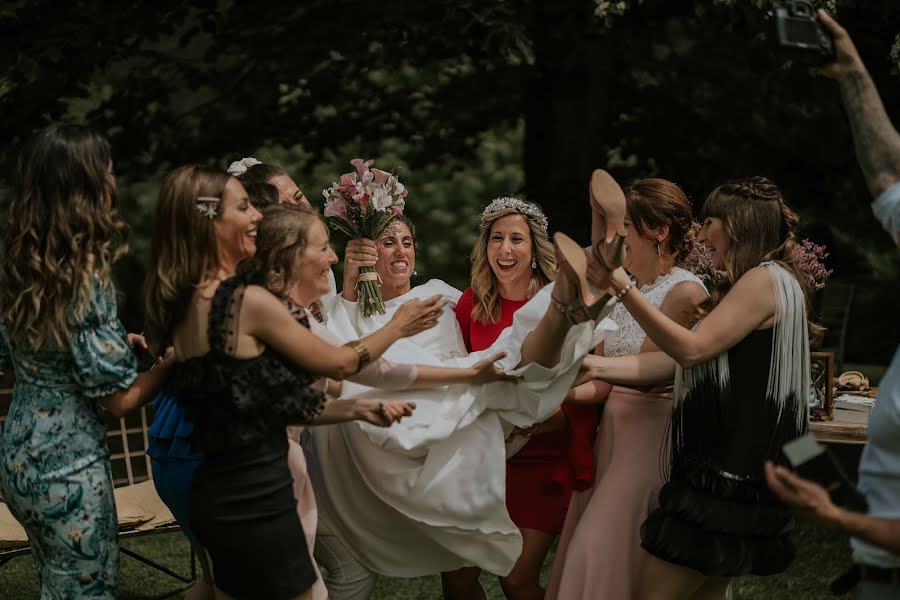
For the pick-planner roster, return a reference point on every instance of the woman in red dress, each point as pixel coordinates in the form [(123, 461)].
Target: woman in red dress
[(512, 260)]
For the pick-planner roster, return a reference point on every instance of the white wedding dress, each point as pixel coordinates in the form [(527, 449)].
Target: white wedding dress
[(429, 494)]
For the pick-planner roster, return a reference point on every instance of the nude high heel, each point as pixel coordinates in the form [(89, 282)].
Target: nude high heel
[(591, 303), (608, 201)]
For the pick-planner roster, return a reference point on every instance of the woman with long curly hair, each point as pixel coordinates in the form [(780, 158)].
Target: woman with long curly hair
[(71, 356), (741, 380)]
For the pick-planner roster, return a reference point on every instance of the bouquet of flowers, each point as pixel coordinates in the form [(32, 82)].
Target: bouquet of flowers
[(362, 204), (810, 260)]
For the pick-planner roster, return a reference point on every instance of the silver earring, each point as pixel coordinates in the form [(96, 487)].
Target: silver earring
[(533, 264), (415, 273), (658, 252)]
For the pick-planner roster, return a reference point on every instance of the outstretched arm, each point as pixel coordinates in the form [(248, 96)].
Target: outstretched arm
[(265, 318), (875, 138), (646, 368), (749, 305)]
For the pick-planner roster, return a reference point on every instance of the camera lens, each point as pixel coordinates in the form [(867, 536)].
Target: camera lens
[(801, 9)]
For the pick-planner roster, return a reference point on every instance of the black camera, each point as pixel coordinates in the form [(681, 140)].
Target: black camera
[(798, 29)]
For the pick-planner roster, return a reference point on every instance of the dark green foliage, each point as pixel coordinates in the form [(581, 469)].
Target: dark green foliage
[(547, 90)]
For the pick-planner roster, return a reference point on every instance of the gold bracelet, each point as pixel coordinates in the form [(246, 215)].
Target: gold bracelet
[(364, 357)]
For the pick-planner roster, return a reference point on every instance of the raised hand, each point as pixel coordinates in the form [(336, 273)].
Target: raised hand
[(416, 316), (485, 371), (847, 58), (360, 252)]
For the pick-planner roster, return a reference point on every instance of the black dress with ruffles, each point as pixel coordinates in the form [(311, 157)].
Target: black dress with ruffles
[(242, 507), (716, 514)]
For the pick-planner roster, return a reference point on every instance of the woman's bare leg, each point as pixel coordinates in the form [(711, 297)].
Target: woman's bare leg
[(524, 581), (715, 588), (203, 589), (661, 580), (462, 584)]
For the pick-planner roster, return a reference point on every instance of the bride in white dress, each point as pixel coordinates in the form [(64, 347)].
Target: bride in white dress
[(428, 494)]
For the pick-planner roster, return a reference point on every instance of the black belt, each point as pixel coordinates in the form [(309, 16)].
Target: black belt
[(857, 573)]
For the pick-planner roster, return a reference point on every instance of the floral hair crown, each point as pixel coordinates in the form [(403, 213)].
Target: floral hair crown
[(532, 211), (239, 167)]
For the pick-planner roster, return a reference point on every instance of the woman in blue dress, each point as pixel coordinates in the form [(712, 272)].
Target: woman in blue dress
[(71, 357)]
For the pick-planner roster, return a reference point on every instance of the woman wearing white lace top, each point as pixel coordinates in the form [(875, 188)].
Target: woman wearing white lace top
[(599, 553)]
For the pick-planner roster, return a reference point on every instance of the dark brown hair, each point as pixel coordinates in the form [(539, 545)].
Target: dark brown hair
[(64, 234), (656, 202), (183, 251), (762, 228)]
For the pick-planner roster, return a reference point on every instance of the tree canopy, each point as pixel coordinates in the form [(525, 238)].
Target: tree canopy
[(468, 98)]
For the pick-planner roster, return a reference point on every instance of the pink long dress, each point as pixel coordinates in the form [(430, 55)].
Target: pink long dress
[(599, 554)]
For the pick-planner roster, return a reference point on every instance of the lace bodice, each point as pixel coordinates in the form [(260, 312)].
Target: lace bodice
[(235, 402), (630, 336)]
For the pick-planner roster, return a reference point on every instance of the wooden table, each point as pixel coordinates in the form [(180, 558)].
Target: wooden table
[(841, 432)]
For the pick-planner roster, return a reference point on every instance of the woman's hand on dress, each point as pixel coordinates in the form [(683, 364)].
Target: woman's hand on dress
[(416, 316), (485, 371), (807, 497), (383, 413), (360, 252)]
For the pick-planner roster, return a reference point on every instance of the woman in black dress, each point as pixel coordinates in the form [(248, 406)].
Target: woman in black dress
[(243, 371), (741, 377)]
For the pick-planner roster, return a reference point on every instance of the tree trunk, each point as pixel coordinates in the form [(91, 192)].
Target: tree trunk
[(568, 111)]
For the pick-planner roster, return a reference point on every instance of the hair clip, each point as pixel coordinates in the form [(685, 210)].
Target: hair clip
[(207, 206)]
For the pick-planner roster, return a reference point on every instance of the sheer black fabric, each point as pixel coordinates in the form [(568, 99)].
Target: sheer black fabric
[(236, 402)]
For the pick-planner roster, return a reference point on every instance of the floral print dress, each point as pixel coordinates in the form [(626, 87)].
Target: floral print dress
[(54, 471)]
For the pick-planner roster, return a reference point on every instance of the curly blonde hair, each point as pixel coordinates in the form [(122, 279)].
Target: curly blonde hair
[(184, 254), (484, 282), (64, 234)]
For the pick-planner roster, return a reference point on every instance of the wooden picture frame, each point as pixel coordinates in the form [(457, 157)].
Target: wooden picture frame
[(821, 378)]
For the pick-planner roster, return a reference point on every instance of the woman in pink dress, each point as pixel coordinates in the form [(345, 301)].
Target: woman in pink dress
[(599, 553)]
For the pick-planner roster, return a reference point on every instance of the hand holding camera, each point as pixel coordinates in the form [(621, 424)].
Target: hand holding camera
[(798, 29)]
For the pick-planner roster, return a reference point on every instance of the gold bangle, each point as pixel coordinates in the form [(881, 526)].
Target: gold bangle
[(364, 357)]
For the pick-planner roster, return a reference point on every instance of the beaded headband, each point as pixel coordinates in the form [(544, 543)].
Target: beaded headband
[(532, 211)]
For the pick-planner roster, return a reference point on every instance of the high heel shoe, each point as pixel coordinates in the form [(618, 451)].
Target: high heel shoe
[(590, 303), (608, 201)]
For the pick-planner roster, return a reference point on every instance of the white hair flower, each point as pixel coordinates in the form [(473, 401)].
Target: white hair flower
[(238, 167)]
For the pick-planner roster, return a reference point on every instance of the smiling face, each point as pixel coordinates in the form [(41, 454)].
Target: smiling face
[(396, 258), (288, 191), (509, 252), (235, 225), (716, 239), (314, 264)]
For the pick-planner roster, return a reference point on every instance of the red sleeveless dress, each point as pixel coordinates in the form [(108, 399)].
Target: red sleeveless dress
[(541, 476)]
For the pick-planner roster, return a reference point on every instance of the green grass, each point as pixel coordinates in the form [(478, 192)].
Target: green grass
[(821, 556)]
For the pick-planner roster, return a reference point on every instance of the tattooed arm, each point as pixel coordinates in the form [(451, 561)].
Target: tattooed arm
[(877, 142)]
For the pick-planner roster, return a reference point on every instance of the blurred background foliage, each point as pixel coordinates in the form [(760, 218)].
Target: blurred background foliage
[(468, 100)]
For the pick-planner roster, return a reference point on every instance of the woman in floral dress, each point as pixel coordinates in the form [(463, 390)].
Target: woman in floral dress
[(71, 356)]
